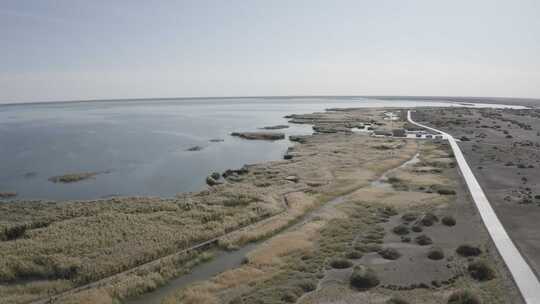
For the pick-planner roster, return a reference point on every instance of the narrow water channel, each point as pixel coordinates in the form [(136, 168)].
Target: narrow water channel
[(224, 260)]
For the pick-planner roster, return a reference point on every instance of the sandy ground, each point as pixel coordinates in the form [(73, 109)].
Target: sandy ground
[(504, 154)]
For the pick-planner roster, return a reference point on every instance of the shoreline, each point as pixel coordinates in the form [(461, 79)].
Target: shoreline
[(331, 157)]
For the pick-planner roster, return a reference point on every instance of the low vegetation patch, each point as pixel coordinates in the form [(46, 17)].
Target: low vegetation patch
[(401, 230), (481, 271), (435, 254), (396, 301), (409, 217), (463, 297), (448, 220), (74, 177), (363, 278), (340, 263), (354, 254), (423, 240), (390, 253), (467, 250), (429, 219), (417, 228)]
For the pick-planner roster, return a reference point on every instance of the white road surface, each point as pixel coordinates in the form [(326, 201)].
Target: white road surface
[(525, 279)]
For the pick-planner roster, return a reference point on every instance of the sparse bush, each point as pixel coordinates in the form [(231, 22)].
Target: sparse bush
[(429, 219), (363, 278), (405, 239), (370, 247), (445, 191), (481, 271), (417, 228), (463, 297), (467, 250), (435, 254), (390, 253), (409, 217), (13, 232), (289, 297), (396, 301), (423, 240), (389, 211), (354, 254), (307, 285), (401, 230), (448, 220), (340, 263)]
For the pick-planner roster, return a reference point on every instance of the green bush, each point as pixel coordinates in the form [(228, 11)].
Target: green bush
[(396, 301), (354, 254), (417, 228), (481, 271), (435, 254), (423, 240), (409, 217), (448, 220), (390, 253), (339, 263), (429, 219), (467, 250), (363, 278), (463, 297), (401, 230)]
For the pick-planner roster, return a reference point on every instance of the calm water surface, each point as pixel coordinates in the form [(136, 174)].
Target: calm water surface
[(142, 143)]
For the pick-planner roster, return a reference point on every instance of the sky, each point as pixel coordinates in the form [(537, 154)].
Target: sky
[(76, 50)]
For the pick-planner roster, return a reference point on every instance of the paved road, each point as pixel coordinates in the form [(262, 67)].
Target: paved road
[(525, 279)]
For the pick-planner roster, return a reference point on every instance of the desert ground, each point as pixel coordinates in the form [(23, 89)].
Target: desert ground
[(343, 218), (503, 150)]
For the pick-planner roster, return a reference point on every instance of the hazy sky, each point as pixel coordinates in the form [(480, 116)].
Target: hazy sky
[(80, 49)]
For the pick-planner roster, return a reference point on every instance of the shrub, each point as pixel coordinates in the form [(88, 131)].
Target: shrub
[(339, 263), (363, 278), (370, 247), (409, 217), (448, 220), (423, 240), (417, 228), (289, 297), (463, 297), (429, 219), (481, 271), (14, 232), (445, 191), (405, 239), (435, 254), (354, 254), (389, 211), (466, 250), (390, 253), (401, 230), (307, 285), (396, 301)]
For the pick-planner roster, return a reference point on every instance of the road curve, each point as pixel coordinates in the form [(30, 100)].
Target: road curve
[(525, 279)]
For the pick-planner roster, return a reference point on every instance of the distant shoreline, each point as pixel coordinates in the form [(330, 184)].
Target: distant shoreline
[(492, 100)]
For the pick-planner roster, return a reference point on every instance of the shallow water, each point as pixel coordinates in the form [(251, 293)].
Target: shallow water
[(142, 143)]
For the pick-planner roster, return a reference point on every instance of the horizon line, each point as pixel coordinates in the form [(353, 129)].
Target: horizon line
[(382, 97)]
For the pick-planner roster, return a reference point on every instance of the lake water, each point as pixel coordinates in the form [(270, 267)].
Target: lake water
[(142, 143)]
